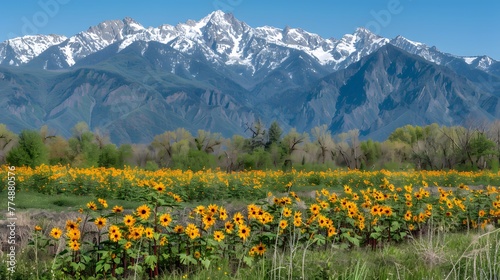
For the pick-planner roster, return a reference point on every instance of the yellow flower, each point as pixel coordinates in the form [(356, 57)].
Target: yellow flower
[(222, 213), (103, 202), (149, 232), (314, 208), (163, 241), (115, 235), (129, 220), (212, 208), (197, 255), (71, 225), (178, 229), (259, 249), (127, 245), (113, 229), (208, 220), (74, 245), (408, 215), (38, 228), (100, 222), (287, 212), (160, 187), (243, 232), (332, 231), (165, 220), (229, 227), (73, 234), (117, 209), (238, 218), (92, 206), (143, 212), (387, 211), (283, 224), (192, 231), (218, 235), (135, 233), (481, 213), (56, 233)]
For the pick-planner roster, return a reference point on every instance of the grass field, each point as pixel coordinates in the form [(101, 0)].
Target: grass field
[(170, 224)]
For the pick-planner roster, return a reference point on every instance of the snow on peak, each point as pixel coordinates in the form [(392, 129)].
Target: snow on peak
[(484, 62), (469, 59), (27, 47)]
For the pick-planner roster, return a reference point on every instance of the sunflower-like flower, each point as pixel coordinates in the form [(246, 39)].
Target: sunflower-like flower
[(71, 225), (238, 218), (56, 233), (100, 222), (149, 232), (243, 232), (165, 219), (178, 229), (92, 206), (73, 234), (259, 249), (129, 220), (143, 212), (192, 231), (208, 220), (114, 234), (222, 213), (117, 209), (229, 227), (103, 202), (218, 235), (74, 245), (160, 187), (283, 224), (163, 241)]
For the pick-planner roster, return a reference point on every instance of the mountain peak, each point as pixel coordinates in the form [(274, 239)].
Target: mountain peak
[(131, 23), (364, 31)]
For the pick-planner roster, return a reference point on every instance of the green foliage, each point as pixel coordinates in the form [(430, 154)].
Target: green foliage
[(194, 160), (109, 156), (275, 133), (259, 158), (30, 150)]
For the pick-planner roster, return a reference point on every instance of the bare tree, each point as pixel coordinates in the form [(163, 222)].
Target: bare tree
[(323, 139)]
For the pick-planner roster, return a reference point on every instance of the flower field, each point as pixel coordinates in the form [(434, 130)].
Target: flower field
[(215, 184), (161, 236)]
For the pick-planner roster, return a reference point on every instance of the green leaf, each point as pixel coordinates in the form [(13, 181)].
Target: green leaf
[(186, 259), (206, 263), (375, 235), (395, 226), (119, 270), (379, 228), (107, 266), (248, 260), (81, 266)]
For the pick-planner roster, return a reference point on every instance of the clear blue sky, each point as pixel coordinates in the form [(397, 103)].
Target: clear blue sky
[(457, 27)]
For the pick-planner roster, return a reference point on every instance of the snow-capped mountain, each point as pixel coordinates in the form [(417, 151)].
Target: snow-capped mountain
[(221, 39), (21, 50), (432, 54), (96, 38), (219, 74)]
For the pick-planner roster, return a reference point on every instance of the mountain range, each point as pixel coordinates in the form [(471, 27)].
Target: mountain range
[(220, 74)]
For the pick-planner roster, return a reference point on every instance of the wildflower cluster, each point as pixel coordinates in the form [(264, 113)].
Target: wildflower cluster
[(155, 236)]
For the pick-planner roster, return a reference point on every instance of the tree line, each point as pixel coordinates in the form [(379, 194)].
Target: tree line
[(409, 147)]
